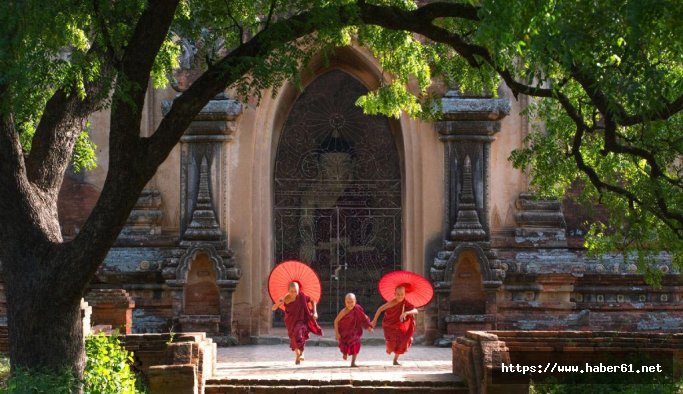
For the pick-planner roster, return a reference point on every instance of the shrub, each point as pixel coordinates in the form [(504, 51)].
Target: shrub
[(107, 368), (107, 371), (33, 382), (4, 371)]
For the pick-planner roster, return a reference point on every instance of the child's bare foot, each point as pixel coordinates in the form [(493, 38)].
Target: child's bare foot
[(396, 362), (353, 365), (302, 356), (345, 356)]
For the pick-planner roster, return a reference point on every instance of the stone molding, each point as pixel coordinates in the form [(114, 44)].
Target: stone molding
[(218, 117)]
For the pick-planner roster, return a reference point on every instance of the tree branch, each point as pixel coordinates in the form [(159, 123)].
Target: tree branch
[(240, 29), (611, 114), (670, 109), (133, 77), (225, 72), (661, 210), (62, 120), (273, 3), (420, 21), (126, 176), (434, 11), (22, 222), (11, 155)]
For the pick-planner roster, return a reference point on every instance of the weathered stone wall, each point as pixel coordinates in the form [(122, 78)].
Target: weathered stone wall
[(564, 290), (173, 364), (480, 354)]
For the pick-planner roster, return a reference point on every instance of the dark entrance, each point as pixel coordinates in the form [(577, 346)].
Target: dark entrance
[(338, 193)]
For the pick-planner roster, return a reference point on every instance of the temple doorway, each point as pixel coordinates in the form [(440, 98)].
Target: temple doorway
[(337, 193)]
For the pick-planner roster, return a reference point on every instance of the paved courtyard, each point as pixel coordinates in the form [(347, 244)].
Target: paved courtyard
[(276, 362)]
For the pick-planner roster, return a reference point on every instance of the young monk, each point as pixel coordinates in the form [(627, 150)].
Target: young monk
[(300, 319), (348, 327), (398, 324)]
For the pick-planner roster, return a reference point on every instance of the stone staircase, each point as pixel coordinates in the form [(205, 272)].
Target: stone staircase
[(225, 385)]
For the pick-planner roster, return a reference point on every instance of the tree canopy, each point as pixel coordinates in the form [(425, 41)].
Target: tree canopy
[(606, 79)]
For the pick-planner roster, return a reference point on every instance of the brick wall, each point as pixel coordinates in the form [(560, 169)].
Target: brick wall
[(173, 364), (113, 307), (477, 354), (76, 201), (4, 339)]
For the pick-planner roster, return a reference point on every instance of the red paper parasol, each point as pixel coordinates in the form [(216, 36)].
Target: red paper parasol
[(293, 271), (418, 289)]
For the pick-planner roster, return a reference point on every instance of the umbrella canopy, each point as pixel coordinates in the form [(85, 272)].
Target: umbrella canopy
[(418, 289), (293, 271)]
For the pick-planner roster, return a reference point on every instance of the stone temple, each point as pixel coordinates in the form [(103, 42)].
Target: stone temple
[(306, 175)]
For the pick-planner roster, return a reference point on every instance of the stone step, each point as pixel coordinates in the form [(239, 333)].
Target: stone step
[(336, 389), (316, 341), (223, 381), (263, 386)]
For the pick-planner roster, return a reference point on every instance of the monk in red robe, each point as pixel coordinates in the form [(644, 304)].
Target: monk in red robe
[(300, 319), (398, 324), (348, 327)]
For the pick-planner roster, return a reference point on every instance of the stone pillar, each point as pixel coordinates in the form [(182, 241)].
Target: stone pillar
[(202, 185), (467, 129), (86, 313)]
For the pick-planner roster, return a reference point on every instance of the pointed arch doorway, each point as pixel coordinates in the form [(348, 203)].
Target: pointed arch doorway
[(337, 193)]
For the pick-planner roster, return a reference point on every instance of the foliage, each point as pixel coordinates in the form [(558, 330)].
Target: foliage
[(107, 368), (40, 382), (44, 46), (605, 125), (4, 371), (605, 388), (107, 371)]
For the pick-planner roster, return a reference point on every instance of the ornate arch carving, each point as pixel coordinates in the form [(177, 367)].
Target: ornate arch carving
[(191, 254)]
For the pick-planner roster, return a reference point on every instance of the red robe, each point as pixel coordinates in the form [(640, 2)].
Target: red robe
[(351, 329), (398, 334), (299, 321)]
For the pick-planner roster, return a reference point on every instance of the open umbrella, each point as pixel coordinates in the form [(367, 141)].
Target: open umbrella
[(418, 289), (293, 271)]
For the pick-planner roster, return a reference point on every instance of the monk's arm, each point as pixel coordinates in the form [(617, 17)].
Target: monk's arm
[(379, 312), (315, 310), (410, 312), (281, 301)]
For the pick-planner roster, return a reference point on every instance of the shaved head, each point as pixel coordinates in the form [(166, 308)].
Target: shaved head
[(350, 301)]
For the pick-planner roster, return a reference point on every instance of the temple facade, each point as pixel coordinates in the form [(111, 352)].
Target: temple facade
[(306, 175)]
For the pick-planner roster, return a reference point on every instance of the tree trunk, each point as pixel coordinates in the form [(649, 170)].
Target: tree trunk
[(45, 326)]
